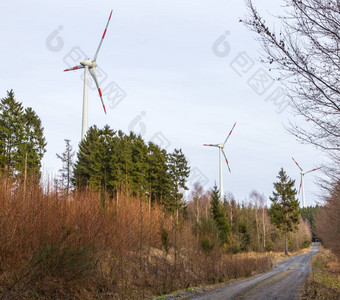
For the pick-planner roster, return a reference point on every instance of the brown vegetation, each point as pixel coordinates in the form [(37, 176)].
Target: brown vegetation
[(328, 221), (55, 247), (324, 281)]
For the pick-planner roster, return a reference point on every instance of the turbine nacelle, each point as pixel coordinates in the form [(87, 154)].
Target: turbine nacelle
[(303, 173), (88, 63)]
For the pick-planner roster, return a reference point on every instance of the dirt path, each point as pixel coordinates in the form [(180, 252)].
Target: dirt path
[(283, 282)]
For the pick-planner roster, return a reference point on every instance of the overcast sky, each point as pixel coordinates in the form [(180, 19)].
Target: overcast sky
[(180, 73)]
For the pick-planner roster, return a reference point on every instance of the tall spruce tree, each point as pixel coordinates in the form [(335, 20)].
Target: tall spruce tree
[(92, 168), (11, 131), (219, 216), (158, 175), (33, 143), (284, 211), (179, 172), (140, 166), (22, 142)]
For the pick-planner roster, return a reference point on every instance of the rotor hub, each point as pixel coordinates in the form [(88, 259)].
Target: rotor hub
[(88, 63)]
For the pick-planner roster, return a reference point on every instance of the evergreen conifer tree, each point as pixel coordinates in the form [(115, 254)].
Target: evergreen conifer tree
[(284, 211), (113, 162), (158, 175), (179, 172), (92, 168), (11, 133), (22, 142), (219, 216)]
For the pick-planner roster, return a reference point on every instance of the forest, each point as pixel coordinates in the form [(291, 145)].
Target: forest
[(118, 221)]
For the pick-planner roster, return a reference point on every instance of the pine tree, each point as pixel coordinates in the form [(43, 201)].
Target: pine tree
[(284, 211), (158, 175), (92, 168), (66, 172), (140, 167), (219, 216), (179, 172), (11, 132), (33, 143), (22, 142)]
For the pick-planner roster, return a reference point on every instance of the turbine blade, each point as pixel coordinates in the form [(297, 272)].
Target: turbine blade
[(210, 145), (300, 185), (94, 76), (75, 68), (101, 41), (297, 164), (229, 134), (313, 170), (226, 159)]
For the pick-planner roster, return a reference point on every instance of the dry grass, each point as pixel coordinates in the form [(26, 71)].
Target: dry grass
[(324, 281), (88, 247), (280, 256)]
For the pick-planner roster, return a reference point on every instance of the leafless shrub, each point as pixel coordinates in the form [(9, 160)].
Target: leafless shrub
[(52, 246)]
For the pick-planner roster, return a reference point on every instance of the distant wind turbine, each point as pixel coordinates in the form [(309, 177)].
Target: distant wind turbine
[(90, 65), (302, 185), (221, 152)]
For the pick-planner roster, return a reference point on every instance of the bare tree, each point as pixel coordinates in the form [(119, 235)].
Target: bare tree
[(306, 54), (262, 220), (66, 172), (328, 221), (254, 196)]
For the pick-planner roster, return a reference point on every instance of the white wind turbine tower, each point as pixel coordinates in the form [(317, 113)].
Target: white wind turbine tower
[(90, 65), (302, 185), (221, 152)]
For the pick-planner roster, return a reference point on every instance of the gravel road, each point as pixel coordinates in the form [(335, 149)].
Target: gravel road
[(282, 282)]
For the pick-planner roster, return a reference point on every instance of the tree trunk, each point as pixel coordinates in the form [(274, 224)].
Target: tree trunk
[(117, 203), (25, 176), (257, 227), (286, 243), (197, 218), (264, 229)]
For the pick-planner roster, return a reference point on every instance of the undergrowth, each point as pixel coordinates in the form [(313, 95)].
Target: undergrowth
[(58, 247), (323, 281)]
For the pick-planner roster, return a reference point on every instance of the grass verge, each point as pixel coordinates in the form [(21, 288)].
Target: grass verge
[(323, 281)]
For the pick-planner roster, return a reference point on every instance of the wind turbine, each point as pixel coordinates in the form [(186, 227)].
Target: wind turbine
[(221, 152), (302, 185), (90, 65)]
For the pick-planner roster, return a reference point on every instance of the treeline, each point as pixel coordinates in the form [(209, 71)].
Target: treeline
[(108, 161), (311, 213), (245, 226), (328, 221), (325, 221), (113, 163)]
